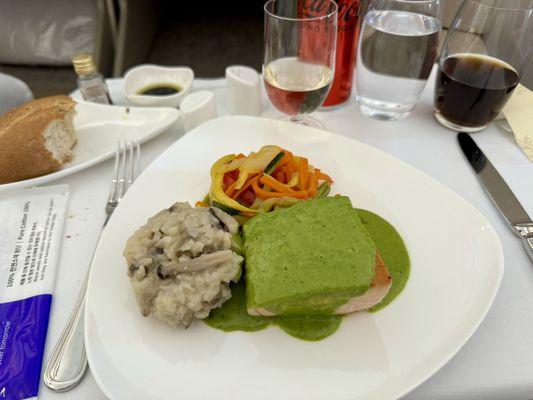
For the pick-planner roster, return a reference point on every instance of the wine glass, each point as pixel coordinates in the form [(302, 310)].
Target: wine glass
[(299, 60), (485, 52)]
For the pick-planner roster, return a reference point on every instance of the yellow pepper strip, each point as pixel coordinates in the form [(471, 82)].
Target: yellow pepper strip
[(256, 163), (295, 179), (220, 163), (216, 192), (232, 166)]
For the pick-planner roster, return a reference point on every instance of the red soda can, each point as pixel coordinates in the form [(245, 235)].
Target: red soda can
[(347, 37)]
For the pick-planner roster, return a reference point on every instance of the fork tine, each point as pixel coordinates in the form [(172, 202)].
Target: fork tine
[(131, 164), (114, 180), (127, 167), (138, 160), (122, 172)]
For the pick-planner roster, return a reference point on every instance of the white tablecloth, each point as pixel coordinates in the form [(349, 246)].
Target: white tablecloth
[(495, 364)]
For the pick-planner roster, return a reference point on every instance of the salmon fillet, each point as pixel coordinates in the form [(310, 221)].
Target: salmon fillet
[(379, 288)]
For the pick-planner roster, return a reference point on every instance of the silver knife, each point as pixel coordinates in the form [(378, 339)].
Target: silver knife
[(498, 191)]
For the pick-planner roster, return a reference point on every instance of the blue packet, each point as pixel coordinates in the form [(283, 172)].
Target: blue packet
[(31, 229)]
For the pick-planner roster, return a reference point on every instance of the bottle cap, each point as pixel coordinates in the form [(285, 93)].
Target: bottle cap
[(84, 64)]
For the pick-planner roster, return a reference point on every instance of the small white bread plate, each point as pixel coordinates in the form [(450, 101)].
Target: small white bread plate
[(99, 128), (457, 266)]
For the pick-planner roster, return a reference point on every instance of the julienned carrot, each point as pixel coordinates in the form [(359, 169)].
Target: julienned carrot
[(201, 204), (276, 185), (289, 170), (295, 162), (288, 153), (303, 173), (287, 158), (284, 170), (313, 185), (264, 194), (231, 189), (324, 176), (301, 194), (245, 186)]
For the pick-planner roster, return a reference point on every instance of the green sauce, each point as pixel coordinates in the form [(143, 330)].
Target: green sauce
[(309, 327), (232, 316), (393, 251)]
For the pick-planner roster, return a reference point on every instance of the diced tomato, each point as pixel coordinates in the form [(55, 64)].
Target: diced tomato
[(247, 197), (230, 178), (280, 177)]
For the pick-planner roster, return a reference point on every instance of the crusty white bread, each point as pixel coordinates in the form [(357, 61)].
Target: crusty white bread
[(36, 138), (379, 288)]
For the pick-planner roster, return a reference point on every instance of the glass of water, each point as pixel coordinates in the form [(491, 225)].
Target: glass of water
[(299, 58), (396, 51)]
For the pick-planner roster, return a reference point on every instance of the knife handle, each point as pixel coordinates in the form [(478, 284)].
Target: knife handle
[(528, 245)]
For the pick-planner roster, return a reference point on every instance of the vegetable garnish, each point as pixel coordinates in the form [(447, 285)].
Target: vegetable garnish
[(273, 177), (274, 184)]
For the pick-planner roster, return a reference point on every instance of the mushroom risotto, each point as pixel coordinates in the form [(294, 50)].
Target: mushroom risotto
[(181, 261)]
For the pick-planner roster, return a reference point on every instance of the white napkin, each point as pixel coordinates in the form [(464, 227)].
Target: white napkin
[(519, 114)]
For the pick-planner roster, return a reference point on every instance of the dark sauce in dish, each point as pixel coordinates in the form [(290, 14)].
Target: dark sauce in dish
[(160, 89)]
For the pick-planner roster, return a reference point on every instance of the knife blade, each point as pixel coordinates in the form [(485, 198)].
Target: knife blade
[(498, 191)]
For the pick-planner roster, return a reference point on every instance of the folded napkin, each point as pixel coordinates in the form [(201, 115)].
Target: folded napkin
[(519, 114)]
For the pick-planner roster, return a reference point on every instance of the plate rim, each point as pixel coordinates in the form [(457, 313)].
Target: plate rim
[(438, 365), (173, 114)]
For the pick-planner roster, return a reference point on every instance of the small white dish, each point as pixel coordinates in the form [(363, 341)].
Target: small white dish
[(98, 128), (244, 90), (197, 108), (145, 75)]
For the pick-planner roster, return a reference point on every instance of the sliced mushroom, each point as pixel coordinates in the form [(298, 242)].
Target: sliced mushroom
[(175, 207), (160, 274), (205, 261), (131, 269), (227, 221)]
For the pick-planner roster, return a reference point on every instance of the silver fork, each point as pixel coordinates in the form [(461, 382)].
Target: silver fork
[(68, 362)]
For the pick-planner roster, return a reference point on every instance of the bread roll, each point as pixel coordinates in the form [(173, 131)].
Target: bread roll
[(36, 138)]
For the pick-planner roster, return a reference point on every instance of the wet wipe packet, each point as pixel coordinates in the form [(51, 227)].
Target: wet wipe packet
[(31, 229)]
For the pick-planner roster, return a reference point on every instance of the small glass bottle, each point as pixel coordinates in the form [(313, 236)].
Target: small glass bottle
[(90, 82)]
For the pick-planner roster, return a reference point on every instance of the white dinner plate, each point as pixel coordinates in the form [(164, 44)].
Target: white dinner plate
[(457, 266), (98, 129)]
